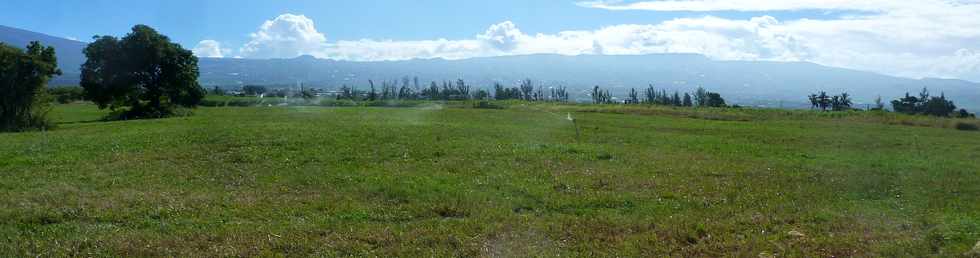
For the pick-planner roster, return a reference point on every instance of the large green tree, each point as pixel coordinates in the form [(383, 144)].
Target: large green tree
[(143, 71), (23, 77)]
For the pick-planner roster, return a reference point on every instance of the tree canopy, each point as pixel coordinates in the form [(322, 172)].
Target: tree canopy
[(144, 71), (23, 77), (924, 104)]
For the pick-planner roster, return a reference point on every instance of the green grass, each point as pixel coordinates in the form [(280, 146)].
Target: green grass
[(454, 181)]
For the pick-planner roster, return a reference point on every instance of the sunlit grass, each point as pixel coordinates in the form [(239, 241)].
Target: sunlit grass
[(450, 180)]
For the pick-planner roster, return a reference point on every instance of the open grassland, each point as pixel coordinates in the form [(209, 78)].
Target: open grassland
[(434, 180)]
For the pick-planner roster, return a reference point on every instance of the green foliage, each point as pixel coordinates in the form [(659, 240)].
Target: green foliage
[(907, 105), (841, 102), (966, 126), (254, 90), (600, 96), (938, 106), (502, 93), (481, 94), (526, 89), (307, 94), (23, 78), (64, 95), (633, 98), (217, 91), (143, 71), (715, 100), (925, 104), (652, 96), (700, 97), (458, 90), (823, 101), (559, 94), (487, 105), (965, 114), (409, 90)]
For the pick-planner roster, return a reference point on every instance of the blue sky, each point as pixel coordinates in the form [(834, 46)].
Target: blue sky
[(231, 21), (911, 38)]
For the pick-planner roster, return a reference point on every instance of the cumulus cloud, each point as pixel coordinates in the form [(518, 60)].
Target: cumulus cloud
[(209, 48), (286, 36), (912, 38), (503, 36)]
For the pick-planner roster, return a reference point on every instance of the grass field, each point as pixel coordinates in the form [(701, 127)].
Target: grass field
[(442, 181)]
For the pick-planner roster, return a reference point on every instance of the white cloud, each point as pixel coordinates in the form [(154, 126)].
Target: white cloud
[(210, 48), (741, 5), (715, 37), (375, 50), (285, 36), (503, 36), (913, 38)]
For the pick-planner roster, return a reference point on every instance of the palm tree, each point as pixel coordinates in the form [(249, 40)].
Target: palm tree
[(845, 101), (823, 100)]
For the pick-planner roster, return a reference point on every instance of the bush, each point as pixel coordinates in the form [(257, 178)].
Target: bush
[(487, 105), (38, 118), (966, 126), (337, 103), (65, 95)]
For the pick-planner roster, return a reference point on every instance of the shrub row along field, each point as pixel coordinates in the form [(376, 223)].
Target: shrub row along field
[(437, 180)]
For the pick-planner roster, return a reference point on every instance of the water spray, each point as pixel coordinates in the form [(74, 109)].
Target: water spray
[(578, 136)]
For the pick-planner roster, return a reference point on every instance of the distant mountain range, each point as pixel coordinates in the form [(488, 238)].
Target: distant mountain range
[(70, 57), (756, 83)]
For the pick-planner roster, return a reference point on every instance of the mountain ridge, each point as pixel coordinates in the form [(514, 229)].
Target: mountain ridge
[(759, 83), (747, 82), (69, 52)]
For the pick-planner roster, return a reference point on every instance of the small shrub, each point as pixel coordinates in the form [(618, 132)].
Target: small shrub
[(450, 211), (962, 126), (486, 105), (136, 114), (64, 95), (337, 103), (604, 156)]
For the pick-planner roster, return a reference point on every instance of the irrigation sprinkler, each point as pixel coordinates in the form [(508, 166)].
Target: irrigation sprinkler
[(578, 136)]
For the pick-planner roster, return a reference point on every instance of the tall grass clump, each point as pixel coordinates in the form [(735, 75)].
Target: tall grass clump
[(963, 126)]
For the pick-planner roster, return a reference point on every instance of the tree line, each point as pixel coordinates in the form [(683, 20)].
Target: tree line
[(923, 104), (825, 102), (526, 90), (411, 89), (652, 96), (450, 91)]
